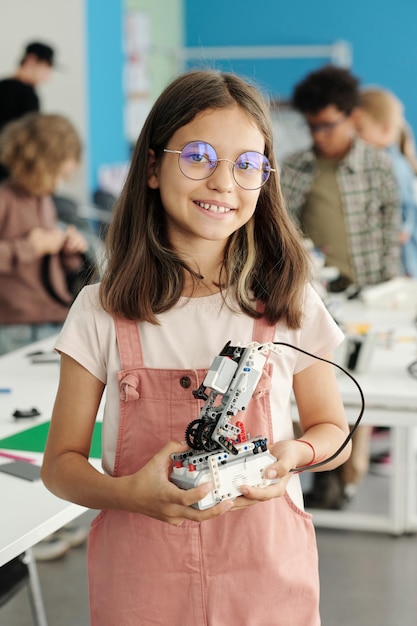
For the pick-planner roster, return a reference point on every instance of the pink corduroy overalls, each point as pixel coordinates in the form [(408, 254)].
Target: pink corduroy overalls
[(253, 567)]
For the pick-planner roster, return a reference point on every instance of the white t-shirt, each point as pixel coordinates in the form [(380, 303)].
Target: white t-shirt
[(189, 336)]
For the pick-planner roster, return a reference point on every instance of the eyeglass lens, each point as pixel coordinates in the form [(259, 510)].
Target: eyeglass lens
[(325, 127), (198, 160)]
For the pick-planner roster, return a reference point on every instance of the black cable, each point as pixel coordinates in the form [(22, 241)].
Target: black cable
[(356, 424)]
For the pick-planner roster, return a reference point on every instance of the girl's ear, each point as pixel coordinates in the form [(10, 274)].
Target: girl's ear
[(153, 181)]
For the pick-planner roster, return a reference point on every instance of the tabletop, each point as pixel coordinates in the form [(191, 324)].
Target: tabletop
[(385, 380), (29, 512)]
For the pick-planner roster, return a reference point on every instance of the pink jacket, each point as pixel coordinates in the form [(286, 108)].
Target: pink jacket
[(23, 296)]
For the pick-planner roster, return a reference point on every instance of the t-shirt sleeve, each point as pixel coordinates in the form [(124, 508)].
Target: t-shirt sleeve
[(87, 332), (319, 334)]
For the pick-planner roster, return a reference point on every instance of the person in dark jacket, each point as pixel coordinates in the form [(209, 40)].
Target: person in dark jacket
[(18, 94)]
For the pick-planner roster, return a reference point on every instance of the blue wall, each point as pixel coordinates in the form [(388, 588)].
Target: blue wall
[(105, 100), (382, 33)]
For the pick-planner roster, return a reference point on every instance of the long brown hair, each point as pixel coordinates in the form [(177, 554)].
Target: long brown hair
[(264, 259)]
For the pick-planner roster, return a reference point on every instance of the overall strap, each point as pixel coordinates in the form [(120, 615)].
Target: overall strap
[(263, 331), (128, 341)]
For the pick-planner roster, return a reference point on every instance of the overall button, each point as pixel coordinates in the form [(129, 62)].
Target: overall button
[(185, 382)]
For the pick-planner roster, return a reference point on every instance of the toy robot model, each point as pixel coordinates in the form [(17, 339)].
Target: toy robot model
[(220, 451)]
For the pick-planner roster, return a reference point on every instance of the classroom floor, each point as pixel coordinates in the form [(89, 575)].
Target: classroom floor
[(367, 579)]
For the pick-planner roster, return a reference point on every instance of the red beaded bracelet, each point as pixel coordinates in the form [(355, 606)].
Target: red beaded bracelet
[(312, 448)]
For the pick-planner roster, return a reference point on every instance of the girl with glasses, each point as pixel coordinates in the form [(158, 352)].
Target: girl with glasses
[(200, 252)]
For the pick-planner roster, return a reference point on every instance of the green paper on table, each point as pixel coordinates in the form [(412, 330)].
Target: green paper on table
[(34, 440)]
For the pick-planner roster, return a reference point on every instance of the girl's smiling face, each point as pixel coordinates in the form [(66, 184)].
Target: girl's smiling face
[(214, 208)]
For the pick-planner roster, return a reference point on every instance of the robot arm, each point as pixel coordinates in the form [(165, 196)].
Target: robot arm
[(233, 375), (220, 451)]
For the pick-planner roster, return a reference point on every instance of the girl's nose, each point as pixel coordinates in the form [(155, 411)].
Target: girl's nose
[(222, 178)]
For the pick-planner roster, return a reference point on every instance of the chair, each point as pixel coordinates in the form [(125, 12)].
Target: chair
[(17, 573)]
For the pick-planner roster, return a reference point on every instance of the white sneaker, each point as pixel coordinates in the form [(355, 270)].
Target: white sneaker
[(50, 549), (72, 534)]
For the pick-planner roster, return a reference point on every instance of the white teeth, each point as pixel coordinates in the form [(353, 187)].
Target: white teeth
[(213, 207)]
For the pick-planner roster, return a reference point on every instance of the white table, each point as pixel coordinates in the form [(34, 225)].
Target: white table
[(391, 400), (29, 512)]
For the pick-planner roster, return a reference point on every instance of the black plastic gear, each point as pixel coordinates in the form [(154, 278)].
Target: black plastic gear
[(204, 436), (191, 434)]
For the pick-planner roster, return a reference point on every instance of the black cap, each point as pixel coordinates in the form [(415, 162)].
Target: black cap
[(42, 51)]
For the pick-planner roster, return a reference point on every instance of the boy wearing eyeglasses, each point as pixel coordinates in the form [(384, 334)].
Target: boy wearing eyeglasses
[(343, 194), (341, 191)]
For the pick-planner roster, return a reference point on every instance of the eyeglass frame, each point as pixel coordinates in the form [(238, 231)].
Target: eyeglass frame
[(326, 127), (179, 152)]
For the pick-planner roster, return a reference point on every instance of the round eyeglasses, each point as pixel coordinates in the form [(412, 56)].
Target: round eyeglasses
[(198, 160), (326, 127)]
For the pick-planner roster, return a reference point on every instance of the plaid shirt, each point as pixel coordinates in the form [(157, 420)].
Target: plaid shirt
[(370, 203)]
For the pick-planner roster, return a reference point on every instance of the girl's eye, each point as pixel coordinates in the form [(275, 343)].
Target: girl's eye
[(247, 164), (199, 158), (244, 165), (198, 153), (195, 157)]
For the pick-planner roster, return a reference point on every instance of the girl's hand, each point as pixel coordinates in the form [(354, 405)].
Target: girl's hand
[(150, 492), (287, 454), (46, 241), (74, 241)]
